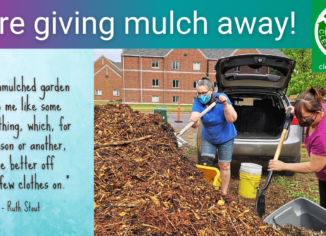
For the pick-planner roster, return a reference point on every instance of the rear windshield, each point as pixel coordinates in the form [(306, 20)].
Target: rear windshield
[(245, 101), (247, 73), (255, 100)]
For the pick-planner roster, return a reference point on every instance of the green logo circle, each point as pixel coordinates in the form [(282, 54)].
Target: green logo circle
[(320, 31)]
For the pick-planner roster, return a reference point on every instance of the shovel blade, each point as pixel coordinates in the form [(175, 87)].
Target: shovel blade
[(181, 142), (260, 203)]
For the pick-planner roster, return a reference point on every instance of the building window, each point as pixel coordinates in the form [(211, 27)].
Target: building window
[(102, 61), (195, 84), (106, 72), (155, 83), (237, 69), (116, 93), (175, 83), (98, 92), (257, 70), (175, 99), (175, 65), (155, 64), (196, 66), (214, 67), (155, 99)]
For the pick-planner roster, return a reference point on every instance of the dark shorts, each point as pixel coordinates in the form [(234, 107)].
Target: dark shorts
[(225, 150)]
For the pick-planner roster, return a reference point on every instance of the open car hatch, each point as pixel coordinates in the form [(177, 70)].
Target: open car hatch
[(277, 72)]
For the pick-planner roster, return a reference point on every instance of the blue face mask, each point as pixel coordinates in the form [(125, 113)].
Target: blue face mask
[(204, 99)]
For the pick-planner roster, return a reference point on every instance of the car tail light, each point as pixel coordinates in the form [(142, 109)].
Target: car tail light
[(295, 121)]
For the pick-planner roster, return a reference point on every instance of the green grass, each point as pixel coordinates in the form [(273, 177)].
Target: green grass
[(304, 154), (104, 103), (283, 180), (290, 187), (191, 150), (301, 194), (314, 189), (151, 107)]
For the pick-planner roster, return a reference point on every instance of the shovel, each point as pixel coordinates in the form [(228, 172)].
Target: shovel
[(260, 198), (181, 142)]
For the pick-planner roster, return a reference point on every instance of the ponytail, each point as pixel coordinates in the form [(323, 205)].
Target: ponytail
[(322, 91), (317, 94)]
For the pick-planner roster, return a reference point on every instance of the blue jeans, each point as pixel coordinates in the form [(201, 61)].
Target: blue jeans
[(225, 151)]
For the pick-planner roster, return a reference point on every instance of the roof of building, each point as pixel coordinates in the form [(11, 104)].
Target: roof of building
[(112, 68), (292, 97), (146, 52), (115, 69), (208, 53), (275, 52), (118, 64), (217, 53)]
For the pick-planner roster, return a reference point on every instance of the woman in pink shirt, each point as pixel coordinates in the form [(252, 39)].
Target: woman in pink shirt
[(310, 111)]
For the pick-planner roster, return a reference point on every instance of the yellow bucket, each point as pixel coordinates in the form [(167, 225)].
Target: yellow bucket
[(211, 175), (248, 185)]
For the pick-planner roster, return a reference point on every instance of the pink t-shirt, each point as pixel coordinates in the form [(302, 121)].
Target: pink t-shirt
[(316, 143)]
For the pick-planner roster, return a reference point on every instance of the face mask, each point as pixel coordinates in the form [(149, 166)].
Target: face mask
[(204, 99), (306, 123)]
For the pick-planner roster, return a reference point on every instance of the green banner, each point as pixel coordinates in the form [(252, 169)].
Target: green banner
[(319, 36)]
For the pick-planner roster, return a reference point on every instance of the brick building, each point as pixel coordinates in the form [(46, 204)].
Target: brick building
[(107, 80), (169, 75)]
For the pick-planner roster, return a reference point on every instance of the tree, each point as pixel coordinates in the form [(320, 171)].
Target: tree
[(302, 76)]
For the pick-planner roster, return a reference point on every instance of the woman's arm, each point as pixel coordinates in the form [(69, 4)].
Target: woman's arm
[(229, 112), (194, 118), (316, 163)]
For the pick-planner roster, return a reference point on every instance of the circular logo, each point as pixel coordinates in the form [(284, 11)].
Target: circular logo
[(320, 31)]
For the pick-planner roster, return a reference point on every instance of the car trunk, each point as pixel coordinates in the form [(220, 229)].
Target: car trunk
[(249, 71), (260, 116)]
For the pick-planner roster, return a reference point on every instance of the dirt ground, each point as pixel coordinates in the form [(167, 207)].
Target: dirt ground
[(281, 190)]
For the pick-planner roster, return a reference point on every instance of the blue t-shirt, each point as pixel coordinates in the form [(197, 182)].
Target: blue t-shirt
[(215, 127)]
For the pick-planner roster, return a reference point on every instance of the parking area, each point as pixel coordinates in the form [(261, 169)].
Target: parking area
[(174, 117)]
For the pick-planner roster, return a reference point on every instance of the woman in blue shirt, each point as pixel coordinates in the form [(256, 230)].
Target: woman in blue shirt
[(218, 131)]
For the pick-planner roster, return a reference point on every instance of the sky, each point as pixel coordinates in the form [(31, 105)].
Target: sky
[(112, 54)]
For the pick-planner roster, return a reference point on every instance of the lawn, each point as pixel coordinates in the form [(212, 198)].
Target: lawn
[(151, 107)]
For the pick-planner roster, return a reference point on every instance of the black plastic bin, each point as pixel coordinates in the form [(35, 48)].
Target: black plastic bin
[(299, 212)]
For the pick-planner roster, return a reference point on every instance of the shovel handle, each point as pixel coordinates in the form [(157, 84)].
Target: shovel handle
[(185, 129), (199, 116), (207, 109), (288, 120)]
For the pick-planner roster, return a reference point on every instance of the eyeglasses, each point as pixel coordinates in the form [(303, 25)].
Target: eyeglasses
[(308, 117), (203, 93)]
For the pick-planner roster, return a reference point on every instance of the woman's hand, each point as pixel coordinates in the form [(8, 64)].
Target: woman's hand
[(275, 165), (292, 109), (223, 100), (194, 118)]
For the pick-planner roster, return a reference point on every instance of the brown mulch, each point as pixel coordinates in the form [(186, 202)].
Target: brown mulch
[(148, 187)]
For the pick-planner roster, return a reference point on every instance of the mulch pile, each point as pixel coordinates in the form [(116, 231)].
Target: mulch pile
[(145, 185), (300, 231)]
